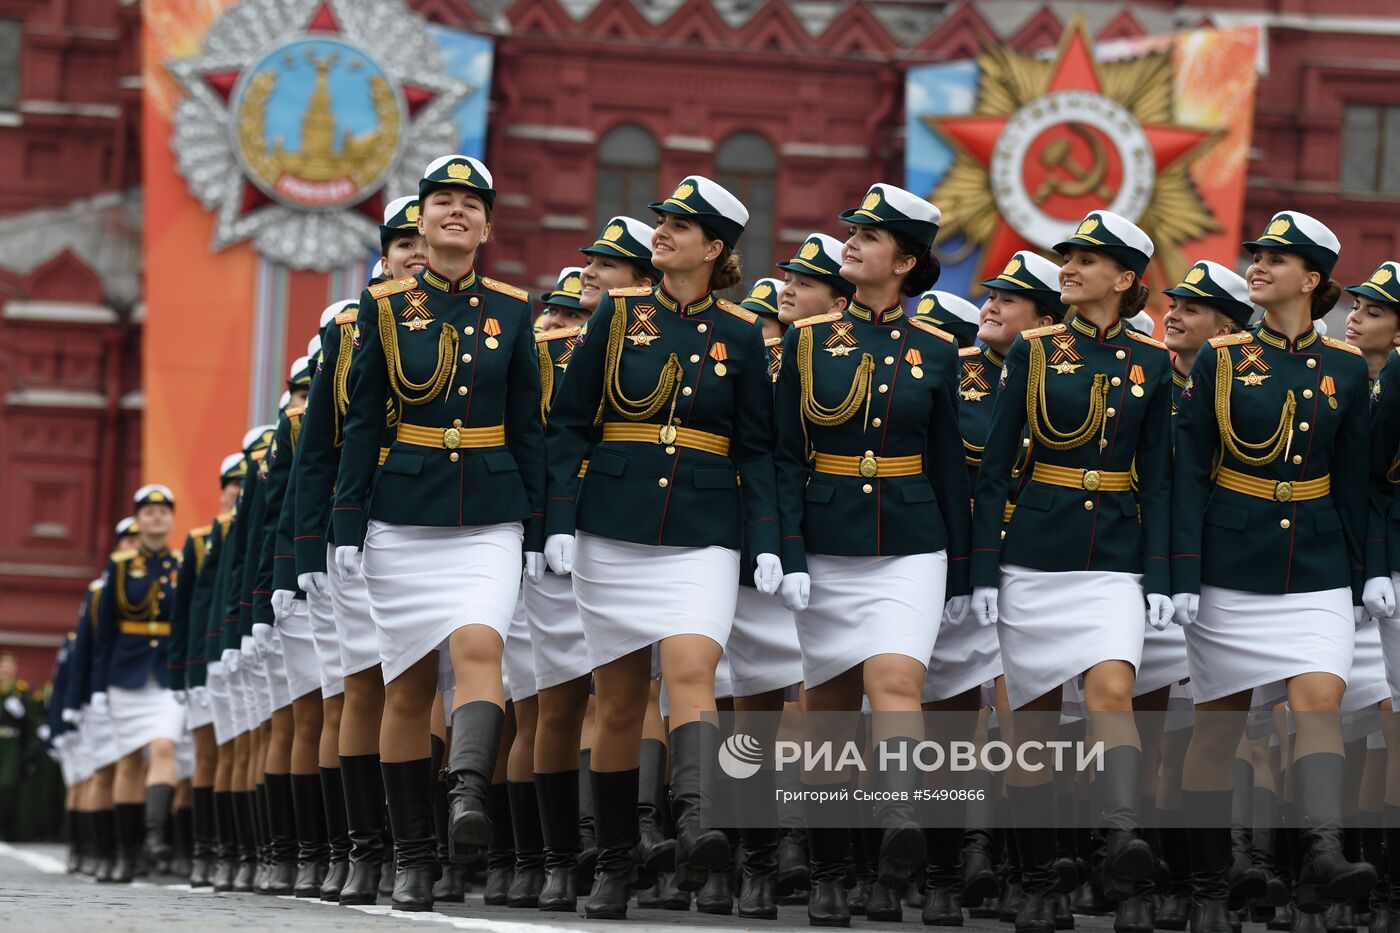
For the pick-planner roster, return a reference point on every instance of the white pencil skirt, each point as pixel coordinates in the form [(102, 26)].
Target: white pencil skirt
[(1390, 649), (425, 583), (299, 650), (240, 701), (1367, 684), (354, 625), (864, 606), (1054, 625), (184, 756), (255, 677), (198, 714), (631, 596), (965, 655), (330, 664), (763, 651), (518, 663), (145, 714), (1163, 659), (556, 631), (276, 661), (221, 702), (98, 739), (1241, 641)]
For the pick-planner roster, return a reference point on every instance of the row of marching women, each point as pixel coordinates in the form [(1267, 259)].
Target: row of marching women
[(478, 595)]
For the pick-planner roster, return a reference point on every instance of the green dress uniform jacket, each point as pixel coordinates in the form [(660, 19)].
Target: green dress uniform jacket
[(1383, 526), (230, 592), (191, 560), (858, 393), (279, 471), (1264, 423), (133, 619), (79, 687), (458, 361), (1098, 406), (248, 589), (683, 397), (282, 489), (200, 639), (1178, 384)]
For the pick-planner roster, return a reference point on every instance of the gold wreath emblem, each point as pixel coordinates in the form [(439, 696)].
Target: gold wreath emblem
[(762, 291), (926, 306), (684, 191), (459, 170), (1012, 267), (573, 286), (1382, 276), (872, 201), (613, 233), (411, 213), (1279, 227), (1089, 225), (810, 250), (1195, 275)]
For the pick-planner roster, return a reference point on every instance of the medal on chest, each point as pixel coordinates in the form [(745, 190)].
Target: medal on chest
[(415, 315), (840, 342), (915, 360), (1329, 389), (1065, 360), (719, 353), (1137, 378), (642, 331), (974, 386), (1252, 369), (492, 329)]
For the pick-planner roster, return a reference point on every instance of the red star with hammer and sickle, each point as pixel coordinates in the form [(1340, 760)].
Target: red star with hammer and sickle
[(1074, 70), (223, 83)]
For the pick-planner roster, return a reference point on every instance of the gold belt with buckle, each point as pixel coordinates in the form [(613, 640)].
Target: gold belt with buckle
[(451, 438), (868, 466), (1072, 478), (1273, 490), (668, 434), (145, 629)]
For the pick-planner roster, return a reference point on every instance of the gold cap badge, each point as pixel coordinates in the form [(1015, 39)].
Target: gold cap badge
[(1012, 267), (1381, 276), (684, 191), (613, 233), (1279, 227), (762, 292), (872, 200), (925, 306), (1195, 275), (809, 250), (1089, 225), (572, 285), (411, 213), (459, 170)]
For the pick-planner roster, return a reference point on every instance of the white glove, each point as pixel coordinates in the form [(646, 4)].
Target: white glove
[(180, 697), (263, 640), (559, 552), (955, 609), (984, 605), (200, 695), (282, 604), (768, 575), (1184, 608), (43, 732), (314, 584), (71, 716), (1378, 596), (534, 566), (1359, 615), (98, 702), (795, 590), (347, 558), (1159, 611), (249, 649), (232, 660), (14, 706)]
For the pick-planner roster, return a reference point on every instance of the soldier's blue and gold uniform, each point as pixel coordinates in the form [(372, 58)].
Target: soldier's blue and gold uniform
[(132, 641)]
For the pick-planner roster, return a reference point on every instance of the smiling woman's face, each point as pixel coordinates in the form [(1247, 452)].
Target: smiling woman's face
[(454, 220), (406, 255), (602, 273), (1004, 315)]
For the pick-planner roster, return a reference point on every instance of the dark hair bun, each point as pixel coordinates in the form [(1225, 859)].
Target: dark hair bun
[(1325, 298)]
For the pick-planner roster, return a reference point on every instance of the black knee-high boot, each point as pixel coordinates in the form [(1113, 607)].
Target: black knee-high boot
[(902, 844), (758, 846), (943, 877), (529, 845), (615, 827), (1174, 908), (558, 796), (246, 822), (476, 737), (451, 884), (364, 815), (655, 853), (1127, 857), (500, 852), (337, 834), (1036, 847), (282, 834), (130, 829), (226, 828), (158, 800), (1391, 832), (1318, 780), (263, 833), (415, 845), (1264, 814), (313, 853), (205, 838), (700, 848), (1247, 883), (1210, 859), (979, 877), (181, 841), (587, 843), (828, 850)]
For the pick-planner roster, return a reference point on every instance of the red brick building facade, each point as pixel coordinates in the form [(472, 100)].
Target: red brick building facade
[(598, 106)]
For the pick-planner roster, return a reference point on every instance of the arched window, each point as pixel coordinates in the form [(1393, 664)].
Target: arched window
[(626, 179), (747, 165)]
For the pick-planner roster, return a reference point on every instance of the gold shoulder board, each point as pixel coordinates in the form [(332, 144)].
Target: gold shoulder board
[(1144, 338), (122, 555), (1046, 331), (557, 334), (818, 319), (225, 518), (773, 342), (1230, 340), (1336, 344), (929, 328), (204, 532), (385, 289), (296, 412), (969, 351), (349, 315), (635, 291), (742, 314), (519, 294)]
